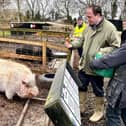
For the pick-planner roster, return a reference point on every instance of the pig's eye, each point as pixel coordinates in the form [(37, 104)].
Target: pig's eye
[(25, 84)]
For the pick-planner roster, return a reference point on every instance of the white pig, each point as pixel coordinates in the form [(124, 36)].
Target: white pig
[(16, 78)]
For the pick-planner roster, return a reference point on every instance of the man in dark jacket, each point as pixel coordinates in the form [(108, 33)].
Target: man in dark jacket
[(116, 90)]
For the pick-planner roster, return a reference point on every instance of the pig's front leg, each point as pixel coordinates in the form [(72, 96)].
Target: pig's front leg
[(9, 94)]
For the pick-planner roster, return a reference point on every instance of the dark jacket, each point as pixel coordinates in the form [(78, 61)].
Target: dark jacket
[(123, 37), (116, 90)]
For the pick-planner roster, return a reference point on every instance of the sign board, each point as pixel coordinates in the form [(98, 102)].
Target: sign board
[(62, 104)]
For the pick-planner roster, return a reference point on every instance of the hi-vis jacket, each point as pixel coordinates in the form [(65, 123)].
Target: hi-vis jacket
[(78, 31), (104, 38)]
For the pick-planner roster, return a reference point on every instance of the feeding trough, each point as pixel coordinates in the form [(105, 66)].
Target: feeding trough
[(48, 77)]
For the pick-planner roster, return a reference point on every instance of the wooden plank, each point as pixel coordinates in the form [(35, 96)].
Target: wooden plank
[(10, 40), (34, 43), (60, 48), (20, 120), (44, 53), (19, 56), (47, 32)]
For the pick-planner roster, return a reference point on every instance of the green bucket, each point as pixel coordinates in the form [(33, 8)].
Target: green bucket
[(104, 72)]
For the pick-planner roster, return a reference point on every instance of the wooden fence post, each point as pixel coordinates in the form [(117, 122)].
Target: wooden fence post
[(44, 58)]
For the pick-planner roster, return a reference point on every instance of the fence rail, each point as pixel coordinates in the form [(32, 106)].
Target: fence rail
[(43, 44)]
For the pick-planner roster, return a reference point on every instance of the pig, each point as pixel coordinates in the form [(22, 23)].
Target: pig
[(17, 79)]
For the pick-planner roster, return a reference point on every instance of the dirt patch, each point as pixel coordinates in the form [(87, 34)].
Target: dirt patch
[(10, 110)]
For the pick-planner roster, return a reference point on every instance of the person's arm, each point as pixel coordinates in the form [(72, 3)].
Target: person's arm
[(116, 58), (74, 44)]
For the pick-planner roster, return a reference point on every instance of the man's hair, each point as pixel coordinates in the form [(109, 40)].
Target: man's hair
[(96, 9), (80, 18)]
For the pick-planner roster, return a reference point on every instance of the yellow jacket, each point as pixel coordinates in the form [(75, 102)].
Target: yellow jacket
[(78, 31)]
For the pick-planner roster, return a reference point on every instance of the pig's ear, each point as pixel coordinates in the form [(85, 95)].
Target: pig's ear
[(23, 82), (28, 79)]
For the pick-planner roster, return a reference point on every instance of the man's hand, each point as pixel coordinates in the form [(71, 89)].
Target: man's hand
[(68, 45)]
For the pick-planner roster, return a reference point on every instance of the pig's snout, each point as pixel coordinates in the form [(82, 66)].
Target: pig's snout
[(33, 91), (27, 92)]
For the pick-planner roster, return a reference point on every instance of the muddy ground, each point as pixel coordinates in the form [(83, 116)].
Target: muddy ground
[(35, 116), (10, 112)]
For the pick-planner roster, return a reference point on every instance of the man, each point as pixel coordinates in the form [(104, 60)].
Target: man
[(76, 36), (77, 33), (116, 90), (101, 36)]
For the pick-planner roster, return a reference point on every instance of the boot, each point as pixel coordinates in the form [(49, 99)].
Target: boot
[(83, 98), (99, 110)]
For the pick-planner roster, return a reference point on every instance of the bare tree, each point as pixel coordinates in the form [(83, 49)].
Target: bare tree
[(114, 8), (66, 8), (105, 4), (44, 7), (4, 4), (124, 11), (122, 7), (19, 13), (32, 7), (89, 2), (38, 6)]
